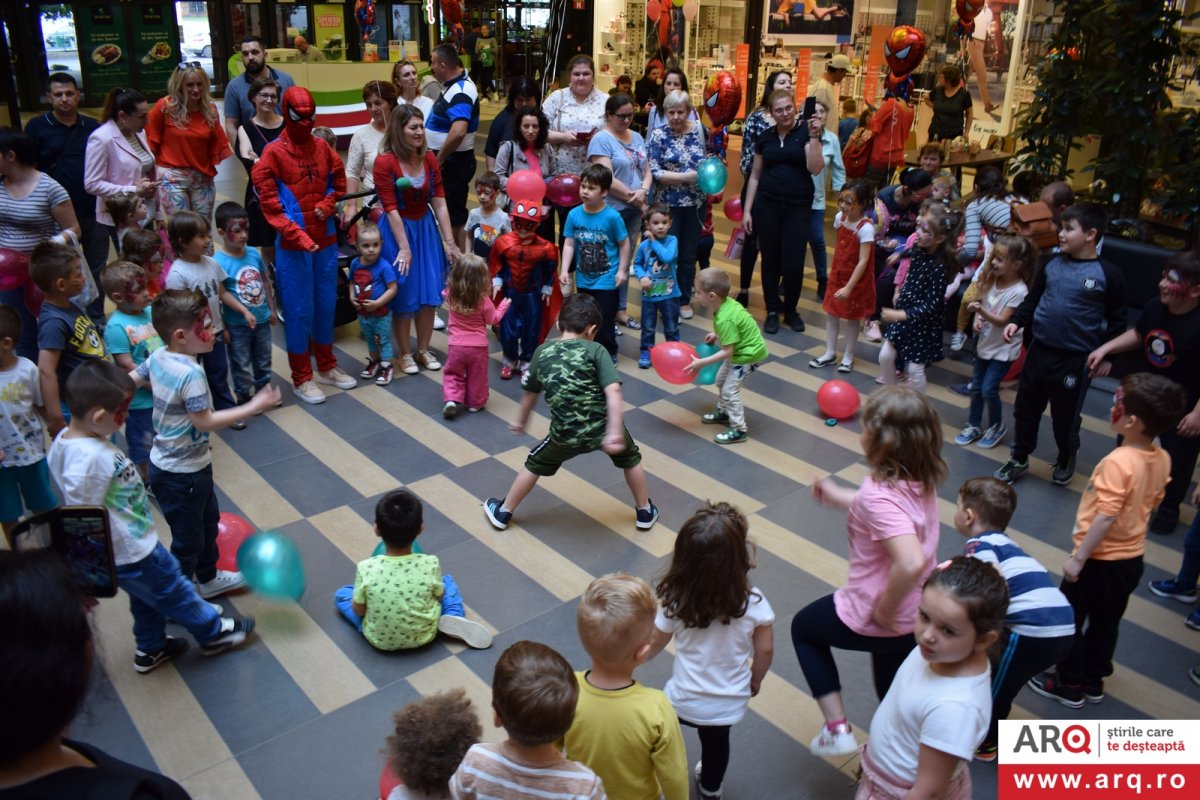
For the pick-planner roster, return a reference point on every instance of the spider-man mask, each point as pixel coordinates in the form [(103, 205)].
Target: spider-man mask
[(299, 114), (903, 49)]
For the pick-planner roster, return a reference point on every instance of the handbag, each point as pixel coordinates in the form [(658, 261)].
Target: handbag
[(855, 156), (1035, 221), (737, 240)]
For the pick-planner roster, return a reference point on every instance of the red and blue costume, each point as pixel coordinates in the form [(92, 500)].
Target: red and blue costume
[(299, 180), (524, 265)]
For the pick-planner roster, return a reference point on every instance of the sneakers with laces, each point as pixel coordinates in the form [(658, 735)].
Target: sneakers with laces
[(450, 410), (1049, 686), (384, 377), (496, 514), (1063, 470), (309, 392), (873, 333), (223, 582), (968, 435), (472, 633), (731, 436), (428, 360), (993, 436), (1094, 693), (986, 752), (644, 360), (1011, 470), (234, 631), (836, 741), (646, 517), (145, 662), (957, 340), (705, 794), (336, 377), (408, 364), (370, 370), (1173, 590)]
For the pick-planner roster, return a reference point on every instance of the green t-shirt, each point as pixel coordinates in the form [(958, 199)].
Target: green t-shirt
[(734, 326), (403, 597), (574, 374)]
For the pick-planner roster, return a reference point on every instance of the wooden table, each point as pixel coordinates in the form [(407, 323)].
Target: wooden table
[(958, 161)]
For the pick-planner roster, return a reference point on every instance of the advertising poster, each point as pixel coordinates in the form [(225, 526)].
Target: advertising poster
[(155, 44), (102, 56), (329, 30)]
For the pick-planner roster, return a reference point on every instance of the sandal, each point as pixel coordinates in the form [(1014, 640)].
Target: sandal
[(824, 361), (844, 367)]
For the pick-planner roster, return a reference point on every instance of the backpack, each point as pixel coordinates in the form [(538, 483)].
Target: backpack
[(855, 156), (1035, 221), (486, 59)]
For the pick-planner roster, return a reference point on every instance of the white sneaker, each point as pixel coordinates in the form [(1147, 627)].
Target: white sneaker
[(439, 324), (957, 340), (471, 632), (309, 393), (336, 377), (223, 582), (704, 793), (837, 742)]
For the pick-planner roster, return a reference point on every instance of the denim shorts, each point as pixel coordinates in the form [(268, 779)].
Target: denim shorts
[(32, 482), (139, 434)]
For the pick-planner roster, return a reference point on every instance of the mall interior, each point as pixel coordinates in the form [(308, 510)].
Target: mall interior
[(304, 710)]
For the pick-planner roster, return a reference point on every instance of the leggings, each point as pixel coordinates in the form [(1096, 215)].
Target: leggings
[(714, 754), (749, 251)]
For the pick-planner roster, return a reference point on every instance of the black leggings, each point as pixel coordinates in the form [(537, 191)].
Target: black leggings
[(749, 250), (714, 754), (781, 226), (817, 629)]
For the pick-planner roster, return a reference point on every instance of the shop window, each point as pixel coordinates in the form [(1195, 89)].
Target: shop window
[(61, 43), (195, 34), (247, 20), (291, 20)]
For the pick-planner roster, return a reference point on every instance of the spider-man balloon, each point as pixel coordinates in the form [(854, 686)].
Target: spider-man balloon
[(452, 15), (967, 10), (903, 49), (364, 15), (722, 96)]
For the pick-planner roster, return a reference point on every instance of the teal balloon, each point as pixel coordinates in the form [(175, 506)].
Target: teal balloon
[(272, 565), (707, 376), (710, 175), (381, 549)]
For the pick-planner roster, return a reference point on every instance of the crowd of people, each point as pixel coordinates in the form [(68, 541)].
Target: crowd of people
[(189, 316)]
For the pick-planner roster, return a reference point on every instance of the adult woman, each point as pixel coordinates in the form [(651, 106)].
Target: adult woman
[(188, 141), (408, 87), (253, 137), (673, 81), (978, 38), (624, 152), (952, 106), (779, 203), (756, 124), (485, 54), (380, 99), (118, 157), (411, 239), (833, 172), (33, 207), (527, 149), (524, 93), (575, 113), (646, 88), (675, 153), (989, 211), (46, 671)]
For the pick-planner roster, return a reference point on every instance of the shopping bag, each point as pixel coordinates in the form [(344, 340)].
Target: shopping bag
[(737, 240)]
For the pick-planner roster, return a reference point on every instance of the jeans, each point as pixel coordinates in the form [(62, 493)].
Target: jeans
[(607, 299), (1189, 570), (985, 388), (250, 358), (669, 309), (749, 251), (216, 369), (1183, 451), (27, 346), (632, 217), (95, 240), (158, 590), (452, 602), (378, 333), (188, 501), (139, 434), (816, 243), (686, 222), (521, 326)]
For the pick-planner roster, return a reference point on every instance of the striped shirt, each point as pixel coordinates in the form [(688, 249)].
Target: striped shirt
[(984, 215), (27, 222), (459, 101), (180, 389), (486, 773), (1036, 608)]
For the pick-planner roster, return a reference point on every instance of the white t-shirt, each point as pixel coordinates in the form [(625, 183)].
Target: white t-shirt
[(360, 159), (710, 683), (865, 234), (93, 472), (22, 441), (180, 388), (205, 275), (992, 346), (924, 708)]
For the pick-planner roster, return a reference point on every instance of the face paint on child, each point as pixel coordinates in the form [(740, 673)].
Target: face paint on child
[(1118, 405), (122, 411), (134, 289), (1173, 284), (204, 326)]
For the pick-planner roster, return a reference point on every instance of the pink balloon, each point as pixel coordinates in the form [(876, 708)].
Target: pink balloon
[(388, 780), (563, 190), (690, 9), (653, 10), (733, 209), (838, 399), (232, 530), (14, 269), (669, 360), (527, 185)]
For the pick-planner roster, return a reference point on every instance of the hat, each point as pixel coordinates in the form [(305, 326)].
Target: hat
[(839, 61)]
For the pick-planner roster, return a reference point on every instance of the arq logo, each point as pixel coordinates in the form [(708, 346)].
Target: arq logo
[(1050, 739)]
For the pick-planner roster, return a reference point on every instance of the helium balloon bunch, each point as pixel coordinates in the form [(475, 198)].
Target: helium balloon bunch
[(452, 16), (364, 16), (904, 49), (722, 97)]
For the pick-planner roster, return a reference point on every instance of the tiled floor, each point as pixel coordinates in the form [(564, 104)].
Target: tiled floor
[(303, 711)]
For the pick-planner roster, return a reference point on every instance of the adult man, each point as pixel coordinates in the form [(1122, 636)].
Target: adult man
[(61, 135), (1059, 196), (306, 53), (238, 105), (825, 89), (450, 133)]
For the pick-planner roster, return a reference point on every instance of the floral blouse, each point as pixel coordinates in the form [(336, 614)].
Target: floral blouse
[(567, 115), (756, 123), (676, 152)]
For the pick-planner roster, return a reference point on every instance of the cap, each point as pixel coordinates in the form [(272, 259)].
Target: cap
[(839, 61)]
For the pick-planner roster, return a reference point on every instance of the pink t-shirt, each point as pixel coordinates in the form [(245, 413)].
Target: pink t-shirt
[(881, 511), (470, 330)]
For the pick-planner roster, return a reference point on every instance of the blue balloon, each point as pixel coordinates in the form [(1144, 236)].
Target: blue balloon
[(381, 549), (272, 565), (710, 175), (707, 376)]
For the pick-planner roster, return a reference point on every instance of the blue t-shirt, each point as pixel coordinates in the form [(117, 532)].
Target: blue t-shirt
[(133, 334), (597, 246), (370, 282), (246, 279), (459, 101), (629, 161), (657, 261)]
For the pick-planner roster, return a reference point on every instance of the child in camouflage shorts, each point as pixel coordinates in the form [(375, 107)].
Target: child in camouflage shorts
[(583, 389)]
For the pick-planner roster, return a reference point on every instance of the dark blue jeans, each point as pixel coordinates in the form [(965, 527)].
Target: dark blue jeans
[(216, 369), (651, 309), (686, 222), (607, 300), (816, 242), (158, 590), (1189, 570), (985, 388), (27, 346), (188, 501), (250, 359), (632, 217), (520, 326)]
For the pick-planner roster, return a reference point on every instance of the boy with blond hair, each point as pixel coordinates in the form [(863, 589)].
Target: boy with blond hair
[(628, 733)]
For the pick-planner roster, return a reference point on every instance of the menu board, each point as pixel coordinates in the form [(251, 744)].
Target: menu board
[(155, 44), (102, 55)]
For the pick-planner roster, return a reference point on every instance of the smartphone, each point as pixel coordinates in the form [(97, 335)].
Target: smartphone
[(810, 109), (80, 534)]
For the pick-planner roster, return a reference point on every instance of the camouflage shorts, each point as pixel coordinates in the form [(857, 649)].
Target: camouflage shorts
[(549, 455)]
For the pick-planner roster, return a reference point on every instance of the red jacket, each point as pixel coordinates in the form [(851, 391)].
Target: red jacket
[(891, 125), (292, 183)]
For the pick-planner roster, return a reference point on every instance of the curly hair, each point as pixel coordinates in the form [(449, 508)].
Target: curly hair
[(176, 108), (431, 737), (902, 437), (469, 283), (707, 579)]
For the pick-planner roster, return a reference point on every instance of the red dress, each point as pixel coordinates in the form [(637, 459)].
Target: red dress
[(861, 302)]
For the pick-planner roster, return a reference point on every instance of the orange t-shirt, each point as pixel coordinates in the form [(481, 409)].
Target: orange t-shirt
[(1127, 484), (199, 146)]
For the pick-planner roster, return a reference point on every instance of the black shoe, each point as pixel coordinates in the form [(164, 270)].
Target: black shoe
[(496, 514), (1165, 520), (234, 631), (771, 324), (1049, 685), (794, 322), (144, 662), (1064, 469), (744, 299), (1011, 470), (240, 425), (821, 290), (646, 517)]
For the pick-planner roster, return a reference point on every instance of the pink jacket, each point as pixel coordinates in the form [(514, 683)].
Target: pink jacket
[(470, 330), (111, 167)]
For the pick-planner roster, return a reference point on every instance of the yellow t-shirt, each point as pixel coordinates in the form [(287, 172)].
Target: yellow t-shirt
[(1127, 484), (403, 597)]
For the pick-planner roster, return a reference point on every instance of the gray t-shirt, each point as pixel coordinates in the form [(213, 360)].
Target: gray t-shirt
[(628, 161), (238, 104)]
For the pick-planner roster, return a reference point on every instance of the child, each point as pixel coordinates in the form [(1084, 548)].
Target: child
[(91, 471), (67, 337), (400, 600), (848, 122), (1110, 535), (742, 348), (181, 459), (1182, 588), (522, 265), (628, 733), (1076, 303), (1040, 625), (1168, 333), (654, 266), (852, 274), (131, 338), (936, 712), (597, 246), (327, 135), (945, 189), (23, 472), (128, 212), (704, 245), (489, 221), (246, 279), (584, 393), (146, 249), (471, 313), (534, 695), (723, 634), (915, 331), (373, 284), (431, 737), (1002, 287), (195, 269), (893, 530)]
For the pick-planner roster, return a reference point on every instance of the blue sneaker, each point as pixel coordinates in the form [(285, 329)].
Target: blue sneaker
[(993, 436), (1193, 620), (496, 514), (968, 435), (646, 517), (1173, 590), (644, 360)]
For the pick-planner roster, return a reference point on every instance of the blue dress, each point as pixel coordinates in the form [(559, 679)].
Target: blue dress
[(426, 278)]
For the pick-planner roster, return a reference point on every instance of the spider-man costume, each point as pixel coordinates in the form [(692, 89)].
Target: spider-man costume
[(525, 269), (299, 180)]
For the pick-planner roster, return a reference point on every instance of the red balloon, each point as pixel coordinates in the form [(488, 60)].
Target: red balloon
[(1014, 371), (33, 297), (653, 10), (14, 269), (232, 530), (733, 209), (388, 780), (669, 360), (838, 399), (904, 48), (722, 96), (527, 186), (563, 190), (452, 12)]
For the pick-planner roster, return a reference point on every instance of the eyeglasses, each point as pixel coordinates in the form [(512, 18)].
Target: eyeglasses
[(624, 117), (266, 96), (188, 65)]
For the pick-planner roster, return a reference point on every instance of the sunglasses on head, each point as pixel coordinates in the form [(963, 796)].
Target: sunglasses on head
[(185, 65)]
